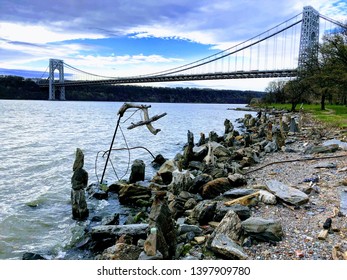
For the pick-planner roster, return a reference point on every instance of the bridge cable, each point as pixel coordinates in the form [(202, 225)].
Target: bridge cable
[(200, 61)]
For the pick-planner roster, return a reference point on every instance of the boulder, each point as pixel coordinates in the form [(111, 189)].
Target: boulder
[(213, 137), (244, 212), (79, 160), (165, 171), (181, 181), (184, 228), (215, 188), (287, 194), (79, 182), (122, 250), (235, 193), (198, 182), (230, 226), (161, 219), (188, 153), (267, 197), (202, 213), (225, 237), (137, 171), (228, 126), (237, 180), (202, 139), (322, 149), (263, 229), (136, 231), (131, 194), (94, 190), (271, 147), (80, 210), (220, 151), (158, 161)]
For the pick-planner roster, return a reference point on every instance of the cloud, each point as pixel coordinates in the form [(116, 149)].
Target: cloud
[(207, 22), (40, 34)]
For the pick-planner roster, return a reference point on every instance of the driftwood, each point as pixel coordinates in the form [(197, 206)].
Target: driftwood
[(127, 106), (323, 234), (147, 120), (244, 200)]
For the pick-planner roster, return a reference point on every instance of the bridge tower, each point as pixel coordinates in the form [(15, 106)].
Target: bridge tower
[(309, 37), (56, 64)]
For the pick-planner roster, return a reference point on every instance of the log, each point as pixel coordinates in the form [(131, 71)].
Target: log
[(126, 106), (148, 122), (323, 234), (244, 200)]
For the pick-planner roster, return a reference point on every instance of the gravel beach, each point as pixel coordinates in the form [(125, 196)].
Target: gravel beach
[(322, 180)]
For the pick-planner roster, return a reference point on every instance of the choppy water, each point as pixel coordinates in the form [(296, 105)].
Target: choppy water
[(38, 140)]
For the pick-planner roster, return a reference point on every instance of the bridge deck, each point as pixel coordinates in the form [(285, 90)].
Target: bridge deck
[(196, 77)]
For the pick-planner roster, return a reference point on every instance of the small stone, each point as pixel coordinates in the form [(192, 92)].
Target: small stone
[(200, 239), (300, 254)]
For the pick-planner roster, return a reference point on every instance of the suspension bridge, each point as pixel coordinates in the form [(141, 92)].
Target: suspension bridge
[(276, 53)]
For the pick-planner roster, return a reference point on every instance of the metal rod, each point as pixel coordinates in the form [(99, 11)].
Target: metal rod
[(109, 151)]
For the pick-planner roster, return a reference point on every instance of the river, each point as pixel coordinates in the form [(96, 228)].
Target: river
[(38, 144)]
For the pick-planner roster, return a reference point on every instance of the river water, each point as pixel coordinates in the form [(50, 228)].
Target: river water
[(38, 143)]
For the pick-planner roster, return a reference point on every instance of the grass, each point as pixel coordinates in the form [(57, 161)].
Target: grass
[(333, 115)]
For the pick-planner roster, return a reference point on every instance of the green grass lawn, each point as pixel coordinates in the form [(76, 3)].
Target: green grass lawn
[(334, 115)]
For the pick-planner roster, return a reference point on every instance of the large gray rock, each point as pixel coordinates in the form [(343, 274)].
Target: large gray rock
[(227, 247), (184, 228), (244, 212), (162, 221), (225, 237), (181, 181), (235, 193), (230, 226), (263, 229), (202, 213), (322, 149), (286, 193)]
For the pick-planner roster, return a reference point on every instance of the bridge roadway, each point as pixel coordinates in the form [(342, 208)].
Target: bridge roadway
[(173, 78)]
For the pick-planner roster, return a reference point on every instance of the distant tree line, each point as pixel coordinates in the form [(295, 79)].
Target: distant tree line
[(14, 87), (322, 77)]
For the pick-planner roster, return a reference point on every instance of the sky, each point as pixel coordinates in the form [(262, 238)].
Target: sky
[(133, 37)]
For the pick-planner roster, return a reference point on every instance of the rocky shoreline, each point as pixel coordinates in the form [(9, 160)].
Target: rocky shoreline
[(278, 190)]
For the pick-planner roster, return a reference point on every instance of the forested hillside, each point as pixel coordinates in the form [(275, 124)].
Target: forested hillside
[(13, 87)]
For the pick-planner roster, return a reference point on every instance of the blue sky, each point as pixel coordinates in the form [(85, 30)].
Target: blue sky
[(123, 37)]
